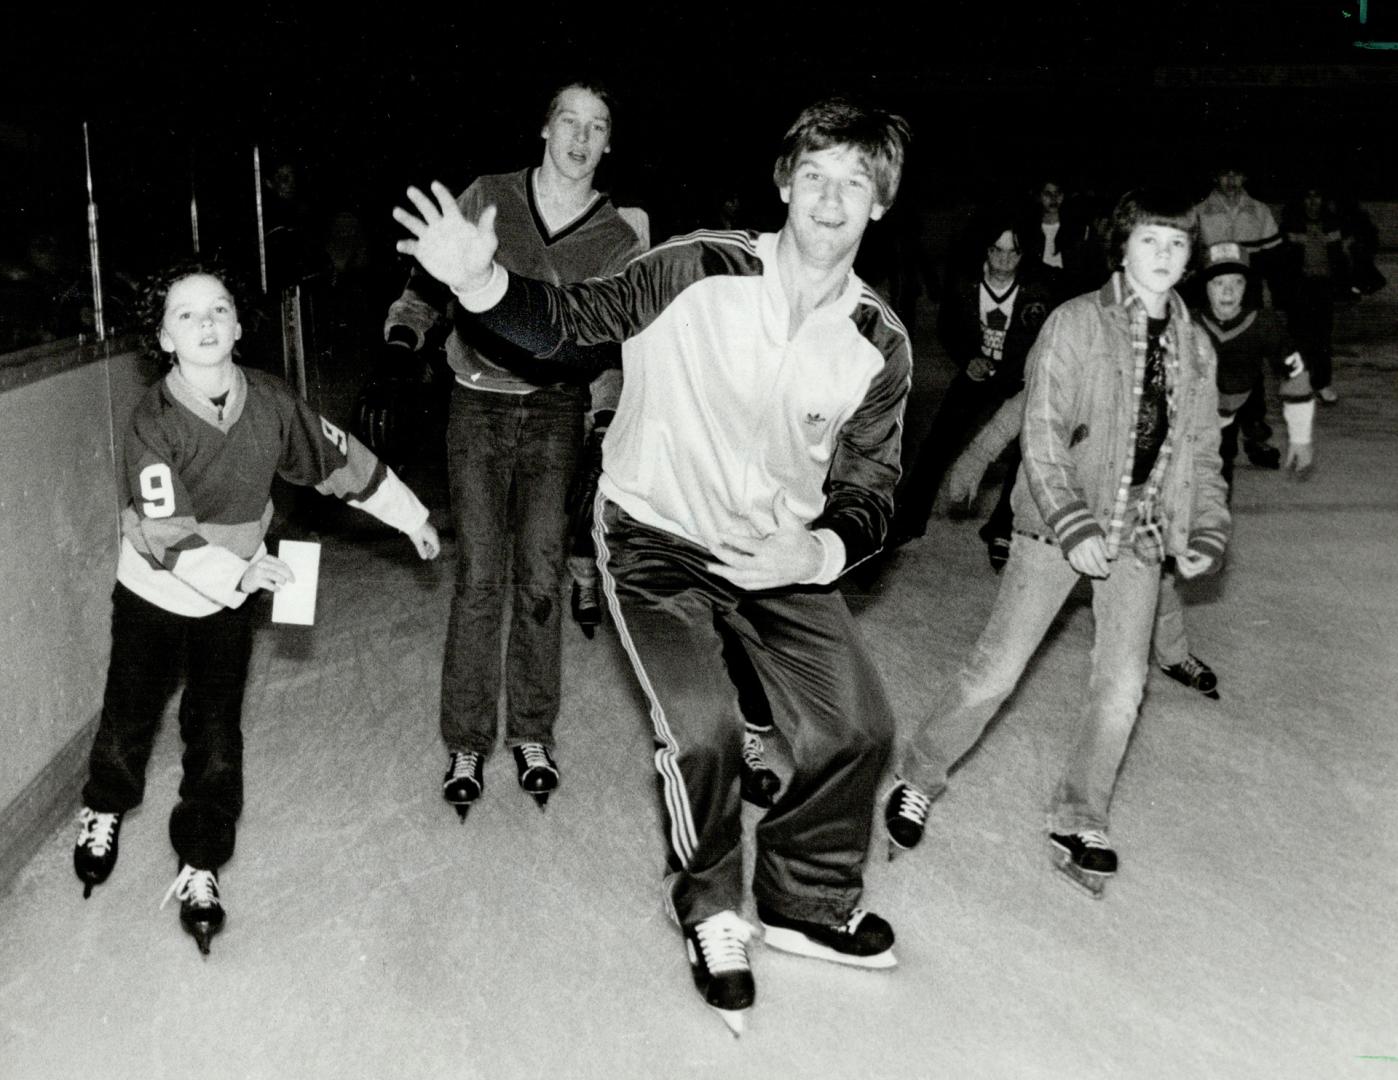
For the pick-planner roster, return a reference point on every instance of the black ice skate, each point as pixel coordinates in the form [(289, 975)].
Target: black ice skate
[(759, 784), (1085, 858), (201, 914), (587, 607), (718, 959), (463, 785), (538, 773), (997, 546), (863, 940), (1263, 455), (1195, 674), (95, 853), (905, 817)]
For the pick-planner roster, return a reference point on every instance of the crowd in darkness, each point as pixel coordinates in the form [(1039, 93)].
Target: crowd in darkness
[(997, 103)]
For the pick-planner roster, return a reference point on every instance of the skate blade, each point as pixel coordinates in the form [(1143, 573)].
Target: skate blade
[(1092, 882), (203, 934), (541, 798), (462, 809), (87, 889), (736, 1019), (1212, 695), (895, 848), (798, 944)]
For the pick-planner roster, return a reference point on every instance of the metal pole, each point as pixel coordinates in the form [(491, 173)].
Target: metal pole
[(92, 251), (261, 235), (193, 203)]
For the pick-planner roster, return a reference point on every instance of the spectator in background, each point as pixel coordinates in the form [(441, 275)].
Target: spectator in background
[(987, 321), (1057, 242), (1361, 240), (1229, 214), (295, 248), (1315, 247)]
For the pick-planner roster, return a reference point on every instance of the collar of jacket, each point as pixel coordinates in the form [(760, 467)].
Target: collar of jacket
[(1116, 298), (183, 391)]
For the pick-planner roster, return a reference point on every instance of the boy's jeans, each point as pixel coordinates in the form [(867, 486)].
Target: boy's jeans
[(1036, 581)]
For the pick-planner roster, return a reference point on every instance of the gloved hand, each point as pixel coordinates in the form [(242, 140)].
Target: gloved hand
[(980, 368), (1300, 457)]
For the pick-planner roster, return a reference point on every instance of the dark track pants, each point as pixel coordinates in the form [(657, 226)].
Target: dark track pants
[(826, 698), (151, 647)]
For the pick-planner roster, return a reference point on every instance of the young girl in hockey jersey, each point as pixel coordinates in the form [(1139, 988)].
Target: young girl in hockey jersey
[(202, 449)]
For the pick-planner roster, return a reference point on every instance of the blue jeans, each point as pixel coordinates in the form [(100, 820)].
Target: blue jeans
[(1035, 583), (511, 459), (1169, 644)]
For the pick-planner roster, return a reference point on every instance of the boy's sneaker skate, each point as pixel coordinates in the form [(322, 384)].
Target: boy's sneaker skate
[(538, 773), (718, 959), (1195, 674), (463, 785), (201, 914), (95, 853), (905, 816), (586, 603), (1085, 857), (759, 784), (863, 940), (997, 549)]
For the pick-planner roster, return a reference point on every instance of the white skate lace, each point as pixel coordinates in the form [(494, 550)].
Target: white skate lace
[(462, 766), (589, 595), (535, 757), (913, 805), (1191, 666), (1093, 838), (856, 917), (98, 831), (754, 751), (723, 940), (200, 886)]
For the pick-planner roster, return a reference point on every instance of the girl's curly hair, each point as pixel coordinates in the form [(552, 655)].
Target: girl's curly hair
[(155, 290)]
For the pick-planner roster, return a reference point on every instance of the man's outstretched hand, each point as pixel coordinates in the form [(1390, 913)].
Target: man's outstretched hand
[(456, 252)]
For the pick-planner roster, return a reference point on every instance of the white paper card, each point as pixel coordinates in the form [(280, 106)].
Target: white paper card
[(295, 602)]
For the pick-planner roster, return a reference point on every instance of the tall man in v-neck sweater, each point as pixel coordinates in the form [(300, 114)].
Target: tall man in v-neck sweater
[(512, 448)]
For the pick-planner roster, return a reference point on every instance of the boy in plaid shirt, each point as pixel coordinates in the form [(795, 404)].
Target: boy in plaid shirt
[(1120, 471)]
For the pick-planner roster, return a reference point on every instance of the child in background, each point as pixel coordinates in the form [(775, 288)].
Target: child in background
[(201, 452), (1313, 238)]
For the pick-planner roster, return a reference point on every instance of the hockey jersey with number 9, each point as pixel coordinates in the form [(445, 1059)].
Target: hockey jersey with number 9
[(200, 483)]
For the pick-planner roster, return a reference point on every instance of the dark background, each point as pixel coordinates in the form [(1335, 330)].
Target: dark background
[(1105, 93)]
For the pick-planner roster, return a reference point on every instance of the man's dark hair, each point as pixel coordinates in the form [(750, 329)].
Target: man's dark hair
[(879, 136), (1150, 206), (592, 86), (993, 225)]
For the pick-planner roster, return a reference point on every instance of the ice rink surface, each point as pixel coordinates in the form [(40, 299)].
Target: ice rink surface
[(1252, 931)]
